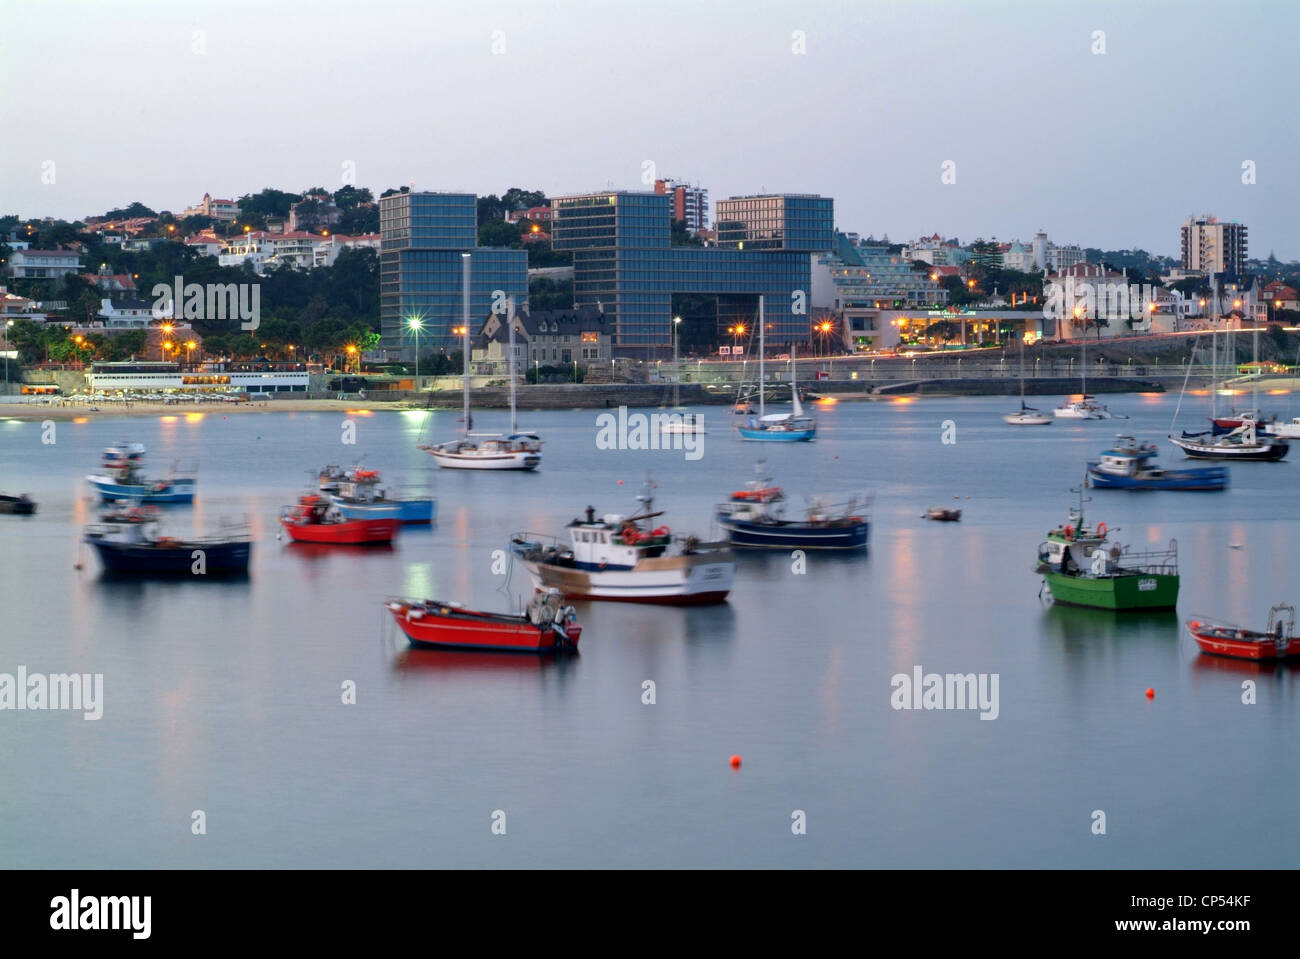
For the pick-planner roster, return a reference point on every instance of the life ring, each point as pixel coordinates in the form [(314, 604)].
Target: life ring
[(1069, 532), (1101, 530), (631, 536), (660, 531)]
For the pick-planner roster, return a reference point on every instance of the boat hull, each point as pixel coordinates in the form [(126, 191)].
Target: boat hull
[(1019, 419), (486, 461), (696, 579), (361, 532), (1122, 592), (17, 507), (167, 491), (407, 511), (1202, 480), (224, 559), (1246, 644), (776, 436), (463, 629), (792, 535), (1260, 452)]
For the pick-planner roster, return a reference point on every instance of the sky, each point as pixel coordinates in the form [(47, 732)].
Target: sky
[(1105, 124)]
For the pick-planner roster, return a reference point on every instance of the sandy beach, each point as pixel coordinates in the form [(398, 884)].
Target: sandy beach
[(73, 412)]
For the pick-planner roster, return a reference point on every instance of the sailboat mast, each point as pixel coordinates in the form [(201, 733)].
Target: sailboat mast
[(1214, 370), (510, 319), (762, 355), (464, 307)]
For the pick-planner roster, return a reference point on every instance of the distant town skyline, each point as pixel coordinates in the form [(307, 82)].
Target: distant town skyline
[(971, 120)]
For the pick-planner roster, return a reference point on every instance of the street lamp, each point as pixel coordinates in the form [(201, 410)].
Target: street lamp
[(416, 324), (8, 323), (189, 352), (677, 375), (352, 352)]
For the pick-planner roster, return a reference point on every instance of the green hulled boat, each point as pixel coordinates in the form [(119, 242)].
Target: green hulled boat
[(1082, 570)]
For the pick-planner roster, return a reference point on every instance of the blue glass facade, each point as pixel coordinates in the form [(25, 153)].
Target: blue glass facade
[(422, 237), (776, 222), (625, 265)]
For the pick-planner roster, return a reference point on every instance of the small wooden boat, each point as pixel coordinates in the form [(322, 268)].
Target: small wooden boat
[(1130, 465), (1276, 642), (127, 541), (753, 519), (21, 505), (359, 496), (122, 479), (622, 558), (546, 626), (942, 514), (1082, 567), (314, 520)]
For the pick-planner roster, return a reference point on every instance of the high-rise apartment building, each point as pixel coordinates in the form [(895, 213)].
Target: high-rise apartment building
[(1211, 246)]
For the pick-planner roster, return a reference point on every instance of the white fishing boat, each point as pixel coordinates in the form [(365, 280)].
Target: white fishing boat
[(623, 558), (516, 450)]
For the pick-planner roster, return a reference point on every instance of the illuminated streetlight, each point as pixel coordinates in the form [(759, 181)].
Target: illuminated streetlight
[(416, 324)]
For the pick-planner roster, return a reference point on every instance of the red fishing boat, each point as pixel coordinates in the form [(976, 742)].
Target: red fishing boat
[(1276, 642), (316, 520), (546, 626)]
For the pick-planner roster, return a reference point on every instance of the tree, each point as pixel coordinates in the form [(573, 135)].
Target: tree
[(349, 196), (136, 209), (516, 199), (680, 236), (490, 208), (500, 233)]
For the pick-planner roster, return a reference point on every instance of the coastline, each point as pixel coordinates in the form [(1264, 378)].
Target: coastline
[(72, 413)]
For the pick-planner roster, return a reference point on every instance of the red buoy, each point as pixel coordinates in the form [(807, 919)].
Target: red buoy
[(735, 762), (1151, 693)]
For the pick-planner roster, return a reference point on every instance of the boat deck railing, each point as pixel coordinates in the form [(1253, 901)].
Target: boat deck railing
[(1155, 562)]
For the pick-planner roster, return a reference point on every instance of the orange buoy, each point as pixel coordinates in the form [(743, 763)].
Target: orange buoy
[(735, 762), (1151, 693)]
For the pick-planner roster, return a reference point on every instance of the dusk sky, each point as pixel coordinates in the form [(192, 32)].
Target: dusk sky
[(160, 102)]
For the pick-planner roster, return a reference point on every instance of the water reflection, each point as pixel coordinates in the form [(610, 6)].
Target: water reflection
[(1078, 625), (437, 661)]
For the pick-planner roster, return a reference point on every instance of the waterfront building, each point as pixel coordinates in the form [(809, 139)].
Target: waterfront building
[(543, 338), (422, 237), (212, 377), (626, 267)]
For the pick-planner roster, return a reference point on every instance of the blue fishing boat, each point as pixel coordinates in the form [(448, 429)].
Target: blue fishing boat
[(128, 542), (1129, 465), (792, 427), (123, 480), (360, 496), (753, 518)]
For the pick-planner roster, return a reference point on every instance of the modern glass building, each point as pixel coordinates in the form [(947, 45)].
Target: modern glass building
[(789, 221), (625, 265), (422, 237)]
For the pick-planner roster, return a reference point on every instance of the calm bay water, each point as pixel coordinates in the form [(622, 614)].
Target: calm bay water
[(226, 697)]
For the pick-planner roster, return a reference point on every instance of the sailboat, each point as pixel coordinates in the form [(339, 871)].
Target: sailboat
[(1026, 415), (1086, 406), (487, 451), (1243, 442), (790, 427)]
